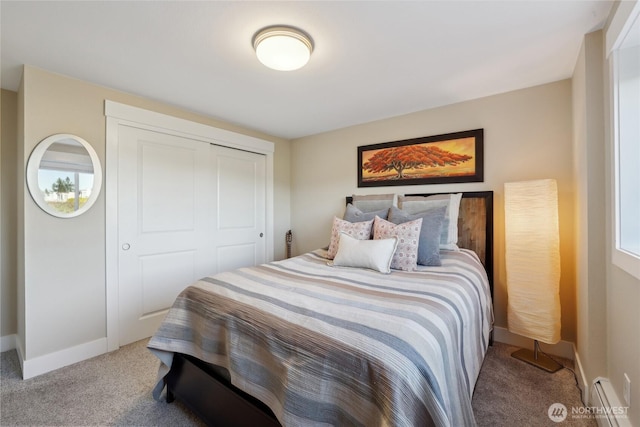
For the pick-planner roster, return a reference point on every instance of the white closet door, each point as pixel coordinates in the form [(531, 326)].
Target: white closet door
[(165, 201), (241, 206), (186, 209)]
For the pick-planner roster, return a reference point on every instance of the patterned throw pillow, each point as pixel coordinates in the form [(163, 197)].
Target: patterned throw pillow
[(357, 230), (408, 234)]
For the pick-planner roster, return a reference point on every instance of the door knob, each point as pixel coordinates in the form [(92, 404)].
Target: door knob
[(126, 246), (261, 234)]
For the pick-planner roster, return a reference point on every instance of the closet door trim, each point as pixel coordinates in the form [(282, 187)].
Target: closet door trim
[(118, 114)]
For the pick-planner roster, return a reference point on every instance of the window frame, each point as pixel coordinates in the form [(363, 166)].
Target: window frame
[(623, 20)]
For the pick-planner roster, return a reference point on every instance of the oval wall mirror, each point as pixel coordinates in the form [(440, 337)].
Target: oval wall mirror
[(64, 175)]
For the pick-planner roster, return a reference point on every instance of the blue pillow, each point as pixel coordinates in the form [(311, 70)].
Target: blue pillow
[(432, 220)]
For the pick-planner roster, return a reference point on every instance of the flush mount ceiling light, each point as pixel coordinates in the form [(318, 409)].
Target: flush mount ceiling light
[(282, 48)]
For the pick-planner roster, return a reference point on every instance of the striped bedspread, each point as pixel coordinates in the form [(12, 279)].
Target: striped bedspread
[(325, 345)]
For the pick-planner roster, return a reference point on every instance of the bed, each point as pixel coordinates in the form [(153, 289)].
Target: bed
[(274, 345)]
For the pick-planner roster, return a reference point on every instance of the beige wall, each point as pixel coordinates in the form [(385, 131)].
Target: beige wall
[(8, 234), (623, 338), (20, 255), (528, 135), (588, 167), (64, 259)]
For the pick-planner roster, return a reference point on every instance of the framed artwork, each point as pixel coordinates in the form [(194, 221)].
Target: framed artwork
[(439, 159)]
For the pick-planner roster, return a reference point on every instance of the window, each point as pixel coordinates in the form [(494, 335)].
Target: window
[(623, 46)]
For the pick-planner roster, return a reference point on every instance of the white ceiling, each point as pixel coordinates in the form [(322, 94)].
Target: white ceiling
[(372, 59)]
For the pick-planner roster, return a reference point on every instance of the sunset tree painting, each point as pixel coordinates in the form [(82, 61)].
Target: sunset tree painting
[(449, 158), (436, 159), (412, 157)]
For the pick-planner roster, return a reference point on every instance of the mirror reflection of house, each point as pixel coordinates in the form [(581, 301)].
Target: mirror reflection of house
[(65, 175)]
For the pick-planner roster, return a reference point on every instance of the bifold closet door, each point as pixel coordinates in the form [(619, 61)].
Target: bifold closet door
[(186, 209)]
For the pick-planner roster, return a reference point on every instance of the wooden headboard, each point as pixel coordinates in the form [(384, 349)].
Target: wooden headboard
[(475, 225)]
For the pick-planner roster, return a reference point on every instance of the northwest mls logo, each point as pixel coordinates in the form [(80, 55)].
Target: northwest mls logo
[(557, 412)]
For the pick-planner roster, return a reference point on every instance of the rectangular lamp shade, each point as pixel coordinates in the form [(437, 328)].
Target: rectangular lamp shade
[(533, 259)]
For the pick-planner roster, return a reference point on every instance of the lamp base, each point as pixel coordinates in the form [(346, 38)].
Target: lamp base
[(537, 358)]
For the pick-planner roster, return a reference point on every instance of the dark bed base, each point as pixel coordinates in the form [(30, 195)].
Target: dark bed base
[(212, 397)]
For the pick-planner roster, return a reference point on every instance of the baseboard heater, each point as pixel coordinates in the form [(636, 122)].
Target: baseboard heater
[(606, 406)]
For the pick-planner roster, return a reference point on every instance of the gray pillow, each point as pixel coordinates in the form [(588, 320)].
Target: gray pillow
[(432, 220), (416, 204), (374, 202), (353, 214)]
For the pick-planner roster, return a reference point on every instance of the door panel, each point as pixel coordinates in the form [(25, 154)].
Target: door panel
[(164, 200), (241, 222), (160, 273), (237, 193), (236, 256), (166, 177)]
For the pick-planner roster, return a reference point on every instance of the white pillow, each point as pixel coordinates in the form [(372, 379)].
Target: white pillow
[(359, 230), (417, 204), (372, 254)]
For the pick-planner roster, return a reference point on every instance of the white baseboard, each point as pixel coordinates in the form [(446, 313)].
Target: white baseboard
[(68, 356), (562, 349), (582, 378), (7, 342), (20, 354)]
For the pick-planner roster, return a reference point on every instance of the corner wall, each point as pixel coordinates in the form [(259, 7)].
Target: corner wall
[(527, 135), (588, 166), (8, 216)]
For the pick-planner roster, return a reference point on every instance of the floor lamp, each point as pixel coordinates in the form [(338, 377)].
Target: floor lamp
[(533, 266)]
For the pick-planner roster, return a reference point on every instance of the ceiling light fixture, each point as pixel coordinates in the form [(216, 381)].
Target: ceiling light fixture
[(282, 48)]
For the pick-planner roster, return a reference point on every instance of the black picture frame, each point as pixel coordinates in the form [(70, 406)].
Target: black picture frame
[(439, 159)]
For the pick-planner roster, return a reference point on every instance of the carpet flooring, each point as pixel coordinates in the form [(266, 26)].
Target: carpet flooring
[(115, 389)]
